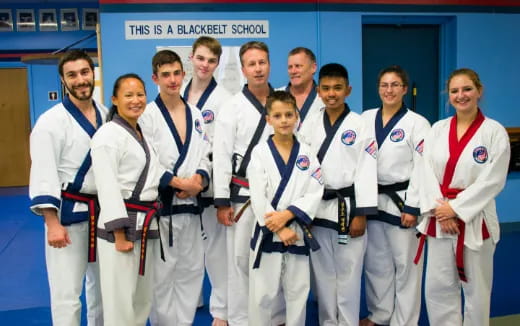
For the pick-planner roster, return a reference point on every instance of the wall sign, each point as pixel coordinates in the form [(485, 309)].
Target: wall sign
[(192, 29)]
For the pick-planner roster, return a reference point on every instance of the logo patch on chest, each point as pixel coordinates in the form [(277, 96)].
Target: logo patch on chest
[(480, 154), (348, 137), (302, 162), (208, 116), (397, 135), (198, 127)]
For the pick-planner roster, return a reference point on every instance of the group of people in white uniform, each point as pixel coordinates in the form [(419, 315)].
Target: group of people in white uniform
[(273, 192)]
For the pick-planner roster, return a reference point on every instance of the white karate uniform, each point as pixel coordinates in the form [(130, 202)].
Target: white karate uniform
[(349, 160), (312, 105), (125, 167), (215, 252), (296, 186), (59, 144), (236, 123), (179, 278), (481, 172), (392, 280)]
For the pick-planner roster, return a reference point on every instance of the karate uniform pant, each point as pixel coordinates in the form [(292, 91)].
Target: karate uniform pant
[(66, 269), (238, 238), (443, 286), (215, 259), (126, 294), (392, 280), (178, 280), (338, 269), (277, 271)]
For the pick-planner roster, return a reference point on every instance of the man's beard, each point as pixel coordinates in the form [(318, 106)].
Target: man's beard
[(80, 97)]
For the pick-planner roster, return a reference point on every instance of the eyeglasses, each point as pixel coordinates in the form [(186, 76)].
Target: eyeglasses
[(392, 85)]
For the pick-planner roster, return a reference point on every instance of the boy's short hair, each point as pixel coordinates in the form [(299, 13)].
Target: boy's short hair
[(282, 96), (165, 57), (253, 45), (74, 55), (334, 70), (211, 43)]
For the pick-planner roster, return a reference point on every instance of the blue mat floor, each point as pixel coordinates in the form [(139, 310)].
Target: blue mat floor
[(24, 293)]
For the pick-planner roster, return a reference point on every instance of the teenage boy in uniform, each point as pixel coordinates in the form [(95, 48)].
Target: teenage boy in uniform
[(175, 130), (347, 155), (203, 92)]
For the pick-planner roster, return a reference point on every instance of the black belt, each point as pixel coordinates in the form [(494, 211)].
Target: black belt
[(343, 221), (183, 209), (268, 245), (391, 191)]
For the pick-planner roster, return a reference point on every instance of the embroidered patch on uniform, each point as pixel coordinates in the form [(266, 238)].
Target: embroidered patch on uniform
[(420, 147), (302, 162), (317, 175), (397, 135), (198, 127), (372, 149), (208, 116), (348, 137), (480, 154)]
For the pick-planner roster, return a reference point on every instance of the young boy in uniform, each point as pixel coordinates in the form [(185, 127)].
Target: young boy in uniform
[(285, 186), (347, 155)]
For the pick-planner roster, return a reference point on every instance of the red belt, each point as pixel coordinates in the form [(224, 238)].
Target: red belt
[(90, 200), (150, 209), (239, 181), (459, 253)]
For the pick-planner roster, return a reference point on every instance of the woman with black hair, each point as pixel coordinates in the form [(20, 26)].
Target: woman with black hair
[(127, 175)]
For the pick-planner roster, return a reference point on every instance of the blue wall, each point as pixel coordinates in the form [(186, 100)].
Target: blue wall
[(485, 42), (507, 208), (44, 79), (491, 44), (121, 56)]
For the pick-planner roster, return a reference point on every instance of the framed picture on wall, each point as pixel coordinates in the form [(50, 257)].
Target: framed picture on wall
[(69, 19), (90, 19), (25, 21), (6, 20), (48, 20)]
